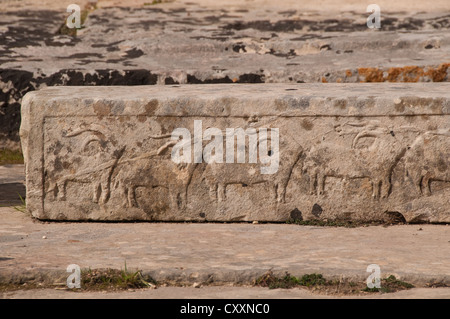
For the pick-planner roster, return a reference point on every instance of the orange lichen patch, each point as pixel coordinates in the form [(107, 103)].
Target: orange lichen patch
[(410, 73), (438, 74), (235, 80), (371, 74), (405, 74), (339, 80), (324, 80), (348, 73), (394, 74)]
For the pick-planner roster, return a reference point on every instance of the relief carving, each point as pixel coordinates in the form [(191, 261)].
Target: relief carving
[(347, 151), (428, 159), (152, 172), (219, 175), (374, 162), (99, 171)]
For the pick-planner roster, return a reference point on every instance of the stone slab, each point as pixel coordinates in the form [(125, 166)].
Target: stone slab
[(220, 292), (346, 152)]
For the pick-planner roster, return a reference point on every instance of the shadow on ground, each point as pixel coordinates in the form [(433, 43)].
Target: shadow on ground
[(11, 193)]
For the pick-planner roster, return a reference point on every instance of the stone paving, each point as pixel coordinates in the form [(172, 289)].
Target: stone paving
[(220, 292)]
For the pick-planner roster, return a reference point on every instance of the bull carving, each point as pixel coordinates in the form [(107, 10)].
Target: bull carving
[(428, 159), (219, 175), (375, 162)]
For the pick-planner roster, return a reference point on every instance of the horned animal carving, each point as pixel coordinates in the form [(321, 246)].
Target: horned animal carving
[(101, 166), (374, 162), (428, 159), (113, 161), (150, 172), (219, 175)]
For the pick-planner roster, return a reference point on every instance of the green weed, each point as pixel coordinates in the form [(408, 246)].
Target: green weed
[(115, 279), (8, 156)]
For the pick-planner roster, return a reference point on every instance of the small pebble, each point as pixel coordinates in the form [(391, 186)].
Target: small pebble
[(44, 237), (196, 285), (255, 222)]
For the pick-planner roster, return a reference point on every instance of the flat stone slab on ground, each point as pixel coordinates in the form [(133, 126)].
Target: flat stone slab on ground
[(360, 152), (12, 184), (217, 253), (220, 292)]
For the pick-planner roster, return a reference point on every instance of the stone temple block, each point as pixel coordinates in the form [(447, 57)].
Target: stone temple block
[(269, 152)]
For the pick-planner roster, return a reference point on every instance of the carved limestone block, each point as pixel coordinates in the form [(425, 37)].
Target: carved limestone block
[(270, 152)]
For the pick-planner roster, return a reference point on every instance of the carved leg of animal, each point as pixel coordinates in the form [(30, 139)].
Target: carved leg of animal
[(385, 187), (176, 198), (128, 196), (61, 189), (320, 184), (180, 200), (275, 192), (312, 184), (126, 201), (124, 191), (213, 191), (181, 197), (417, 181), (281, 193), (184, 197), (52, 191), (426, 187), (376, 186), (97, 192), (221, 192), (105, 192), (132, 197)]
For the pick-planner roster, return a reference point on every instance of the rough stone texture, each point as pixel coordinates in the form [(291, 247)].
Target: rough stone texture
[(204, 41), (348, 152)]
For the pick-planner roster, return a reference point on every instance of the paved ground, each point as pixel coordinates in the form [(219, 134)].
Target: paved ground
[(222, 292), (191, 252), (219, 254)]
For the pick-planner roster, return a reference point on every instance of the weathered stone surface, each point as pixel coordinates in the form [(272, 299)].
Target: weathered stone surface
[(359, 152)]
